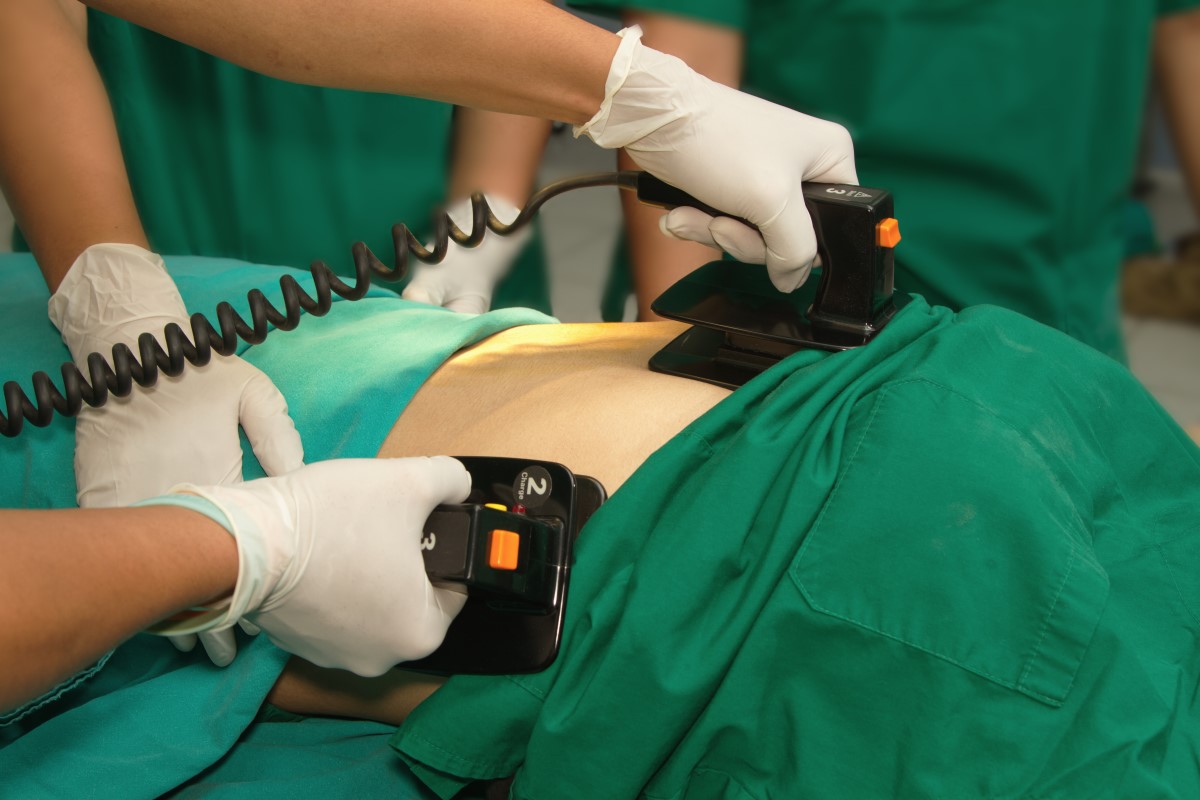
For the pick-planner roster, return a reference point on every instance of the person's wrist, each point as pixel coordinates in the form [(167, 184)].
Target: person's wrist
[(645, 92), (592, 63), (593, 125), (208, 543), (111, 294), (124, 268), (255, 515)]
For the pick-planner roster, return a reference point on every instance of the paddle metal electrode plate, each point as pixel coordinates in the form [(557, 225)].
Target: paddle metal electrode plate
[(743, 325)]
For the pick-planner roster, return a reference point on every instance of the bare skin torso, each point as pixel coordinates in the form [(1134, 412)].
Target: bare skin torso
[(581, 395)]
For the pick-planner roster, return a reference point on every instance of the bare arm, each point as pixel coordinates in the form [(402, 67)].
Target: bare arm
[(516, 56), (497, 154), (1177, 67), (74, 584), (657, 261), (61, 167)]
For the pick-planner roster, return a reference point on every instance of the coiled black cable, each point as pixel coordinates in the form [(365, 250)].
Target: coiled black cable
[(117, 378)]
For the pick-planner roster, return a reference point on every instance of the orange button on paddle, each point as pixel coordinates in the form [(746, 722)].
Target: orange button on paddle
[(887, 233), (502, 550)]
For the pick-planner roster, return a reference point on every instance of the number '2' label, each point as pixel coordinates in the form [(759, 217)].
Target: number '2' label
[(533, 486)]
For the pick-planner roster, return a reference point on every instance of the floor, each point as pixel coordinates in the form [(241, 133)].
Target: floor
[(581, 229)]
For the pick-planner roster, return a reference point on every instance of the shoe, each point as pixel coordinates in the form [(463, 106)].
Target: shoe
[(1168, 288)]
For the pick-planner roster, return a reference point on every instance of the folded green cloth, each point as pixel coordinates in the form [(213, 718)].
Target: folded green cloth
[(963, 561)]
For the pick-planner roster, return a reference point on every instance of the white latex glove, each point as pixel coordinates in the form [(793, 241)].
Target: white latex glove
[(330, 563), (219, 646), (467, 277), (731, 150), (181, 429)]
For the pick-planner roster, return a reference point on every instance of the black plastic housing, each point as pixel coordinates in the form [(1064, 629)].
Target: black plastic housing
[(512, 621), (743, 324)]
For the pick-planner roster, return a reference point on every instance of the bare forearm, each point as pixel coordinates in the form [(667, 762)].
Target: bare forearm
[(61, 167), (74, 584), (657, 261), (516, 56), (497, 154), (1177, 65)]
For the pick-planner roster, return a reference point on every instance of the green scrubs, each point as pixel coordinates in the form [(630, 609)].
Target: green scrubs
[(147, 719), (960, 562), (1007, 131), (228, 162)]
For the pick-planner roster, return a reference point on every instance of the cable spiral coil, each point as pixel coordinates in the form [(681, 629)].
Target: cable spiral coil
[(117, 379)]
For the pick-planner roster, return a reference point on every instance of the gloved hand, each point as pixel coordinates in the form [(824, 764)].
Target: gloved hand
[(467, 277), (329, 559), (731, 150), (181, 429)]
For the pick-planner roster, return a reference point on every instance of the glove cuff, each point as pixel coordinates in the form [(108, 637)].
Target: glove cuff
[(644, 92), (262, 559), (112, 294), (200, 619)]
